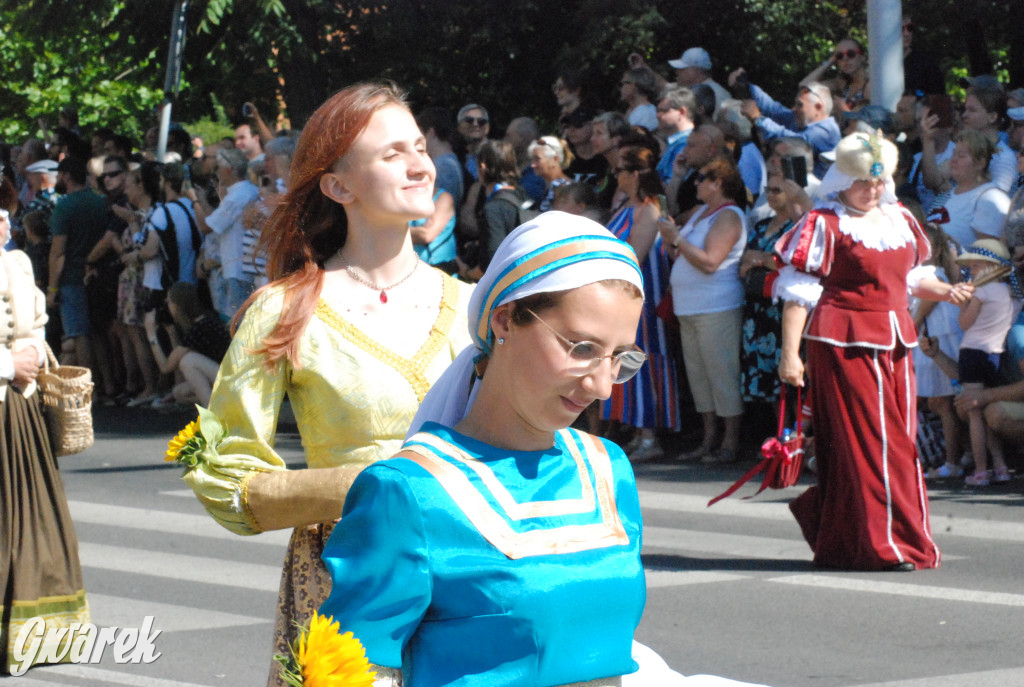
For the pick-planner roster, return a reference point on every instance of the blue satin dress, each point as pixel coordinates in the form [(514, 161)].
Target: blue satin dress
[(467, 565)]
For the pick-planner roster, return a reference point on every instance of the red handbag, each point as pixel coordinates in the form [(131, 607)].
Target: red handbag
[(783, 457)]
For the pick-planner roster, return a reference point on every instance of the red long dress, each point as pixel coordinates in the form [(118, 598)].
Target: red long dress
[(869, 509)]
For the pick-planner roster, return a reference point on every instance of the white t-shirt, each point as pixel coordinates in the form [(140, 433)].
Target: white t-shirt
[(978, 213), (998, 311), (1003, 167)]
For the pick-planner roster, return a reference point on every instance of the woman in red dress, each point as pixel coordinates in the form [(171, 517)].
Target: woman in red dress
[(852, 259)]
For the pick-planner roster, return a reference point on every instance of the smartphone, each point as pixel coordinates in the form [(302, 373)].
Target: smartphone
[(942, 105), (247, 110), (663, 206), (795, 168), (741, 87)]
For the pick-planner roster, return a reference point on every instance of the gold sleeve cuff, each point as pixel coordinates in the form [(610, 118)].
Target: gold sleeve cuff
[(296, 498)]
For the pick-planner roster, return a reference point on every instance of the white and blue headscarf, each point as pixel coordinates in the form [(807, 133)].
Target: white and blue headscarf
[(554, 252)]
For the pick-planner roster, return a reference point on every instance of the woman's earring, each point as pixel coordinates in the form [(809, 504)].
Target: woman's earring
[(501, 341)]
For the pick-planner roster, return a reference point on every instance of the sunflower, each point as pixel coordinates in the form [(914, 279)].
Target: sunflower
[(322, 657), (184, 447)]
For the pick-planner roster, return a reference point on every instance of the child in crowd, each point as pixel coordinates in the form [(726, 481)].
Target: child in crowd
[(985, 319), (938, 321), (578, 198)]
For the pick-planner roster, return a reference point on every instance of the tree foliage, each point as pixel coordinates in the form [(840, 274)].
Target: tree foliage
[(107, 57)]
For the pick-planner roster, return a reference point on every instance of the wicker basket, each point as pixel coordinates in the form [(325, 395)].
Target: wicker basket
[(66, 392)]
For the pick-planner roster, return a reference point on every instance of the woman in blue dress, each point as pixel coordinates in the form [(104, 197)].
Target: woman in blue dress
[(499, 547), (649, 401)]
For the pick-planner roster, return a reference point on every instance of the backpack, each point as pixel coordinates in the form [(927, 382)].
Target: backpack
[(525, 205), (169, 243)]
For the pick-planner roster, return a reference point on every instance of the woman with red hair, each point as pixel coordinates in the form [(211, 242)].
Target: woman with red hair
[(353, 328)]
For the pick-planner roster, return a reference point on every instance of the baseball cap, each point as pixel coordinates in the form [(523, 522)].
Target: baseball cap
[(981, 81), (694, 57), (42, 166), (875, 116), (1016, 114)]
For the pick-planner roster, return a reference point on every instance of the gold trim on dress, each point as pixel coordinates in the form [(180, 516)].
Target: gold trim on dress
[(513, 509), (413, 369), (515, 545)]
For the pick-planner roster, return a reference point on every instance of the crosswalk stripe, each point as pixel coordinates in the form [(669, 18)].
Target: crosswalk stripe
[(902, 589), (165, 521), (658, 579), (117, 611), (108, 677), (264, 578), (1010, 677), (942, 526), (738, 545)]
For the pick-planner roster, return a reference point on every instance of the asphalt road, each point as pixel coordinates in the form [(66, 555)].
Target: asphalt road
[(730, 589)]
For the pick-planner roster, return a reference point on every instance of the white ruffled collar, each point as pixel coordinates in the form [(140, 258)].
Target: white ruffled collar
[(874, 235)]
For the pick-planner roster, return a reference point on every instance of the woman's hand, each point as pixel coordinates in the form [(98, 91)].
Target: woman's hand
[(791, 369), (668, 230), (961, 293), (796, 195), (971, 399), (26, 366), (929, 123), (750, 260)]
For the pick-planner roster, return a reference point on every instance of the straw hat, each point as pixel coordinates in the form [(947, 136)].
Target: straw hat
[(866, 156), (986, 250)]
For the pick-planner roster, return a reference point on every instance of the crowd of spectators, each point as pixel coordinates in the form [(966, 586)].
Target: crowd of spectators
[(144, 263), (111, 233)]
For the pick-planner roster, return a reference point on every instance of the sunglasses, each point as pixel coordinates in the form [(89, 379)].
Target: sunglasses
[(478, 121), (846, 54), (110, 175)]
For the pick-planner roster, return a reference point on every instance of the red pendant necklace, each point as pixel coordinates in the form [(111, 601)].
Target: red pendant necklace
[(376, 287)]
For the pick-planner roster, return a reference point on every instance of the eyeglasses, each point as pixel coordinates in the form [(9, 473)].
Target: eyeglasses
[(847, 54), (110, 175), (774, 190), (477, 121), (583, 357)]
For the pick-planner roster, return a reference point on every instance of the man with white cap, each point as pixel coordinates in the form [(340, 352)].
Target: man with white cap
[(42, 177), (694, 67)]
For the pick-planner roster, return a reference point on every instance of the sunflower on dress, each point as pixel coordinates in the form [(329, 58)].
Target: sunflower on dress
[(323, 657)]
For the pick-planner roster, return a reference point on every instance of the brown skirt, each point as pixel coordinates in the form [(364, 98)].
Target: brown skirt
[(40, 575), (305, 585)]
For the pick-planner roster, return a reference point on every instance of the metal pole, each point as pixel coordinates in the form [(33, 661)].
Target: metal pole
[(885, 46), (172, 78)]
